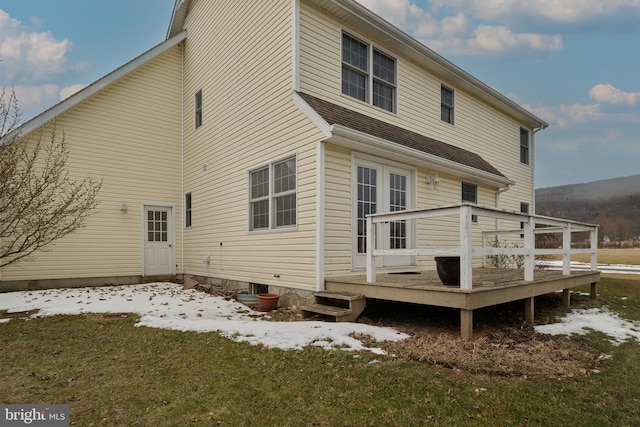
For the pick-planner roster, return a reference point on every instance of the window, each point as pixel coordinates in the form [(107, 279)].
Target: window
[(446, 104), (273, 195), (198, 109), (187, 210), (524, 208), (357, 80), (524, 146), (470, 194)]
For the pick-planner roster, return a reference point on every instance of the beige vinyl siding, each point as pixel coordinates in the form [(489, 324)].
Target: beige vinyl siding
[(128, 135), (241, 59), (338, 214), (478, 127)]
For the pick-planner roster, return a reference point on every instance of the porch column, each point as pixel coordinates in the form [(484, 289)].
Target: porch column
[(466, 324), (529, 310), (529, 245), (466, 248), (566, 250), (371, 261), (594, 290), (593, 235)]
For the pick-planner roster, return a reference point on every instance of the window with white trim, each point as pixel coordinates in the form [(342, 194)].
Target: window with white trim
[(198, 109), (524, 146), (187, 210), (358, 58), (272, 195), (446, 104)]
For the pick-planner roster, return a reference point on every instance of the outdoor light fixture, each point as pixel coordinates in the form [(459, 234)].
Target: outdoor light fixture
[(123, 208), (431, 180)]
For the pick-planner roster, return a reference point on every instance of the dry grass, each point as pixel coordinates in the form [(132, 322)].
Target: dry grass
[(630, 256)]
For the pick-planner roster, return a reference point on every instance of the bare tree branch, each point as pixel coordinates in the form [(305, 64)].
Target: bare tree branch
[(39, 202)]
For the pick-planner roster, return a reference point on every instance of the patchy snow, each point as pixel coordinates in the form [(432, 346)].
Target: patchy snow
[(582, 321), (582, 266), (169, 306)]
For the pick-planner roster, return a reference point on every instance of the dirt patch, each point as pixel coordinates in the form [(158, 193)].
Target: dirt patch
[(502, 346)]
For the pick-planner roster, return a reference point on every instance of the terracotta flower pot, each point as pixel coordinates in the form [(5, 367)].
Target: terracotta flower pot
[(448, 270), (268, 302)]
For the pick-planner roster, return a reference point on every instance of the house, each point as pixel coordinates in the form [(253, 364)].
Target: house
[(249, 147)]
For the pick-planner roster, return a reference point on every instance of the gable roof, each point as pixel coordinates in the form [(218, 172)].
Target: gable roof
[(362, 19), (79, 97), (336, 115)]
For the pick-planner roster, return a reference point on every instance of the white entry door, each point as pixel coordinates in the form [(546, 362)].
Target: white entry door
[(158, 247), (382, 188)]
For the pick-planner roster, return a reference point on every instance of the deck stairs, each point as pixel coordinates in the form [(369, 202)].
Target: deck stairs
[(343, 306)]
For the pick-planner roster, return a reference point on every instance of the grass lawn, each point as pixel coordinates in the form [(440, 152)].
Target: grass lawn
[(113, 373)]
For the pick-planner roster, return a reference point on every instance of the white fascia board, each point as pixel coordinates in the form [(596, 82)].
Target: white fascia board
[(99, 85), (312, 114), (178, 16), (347, 137)]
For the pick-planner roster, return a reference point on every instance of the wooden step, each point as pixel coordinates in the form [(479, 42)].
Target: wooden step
[(343, 306)]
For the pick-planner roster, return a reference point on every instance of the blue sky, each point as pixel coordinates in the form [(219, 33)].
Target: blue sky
[(574, 63)]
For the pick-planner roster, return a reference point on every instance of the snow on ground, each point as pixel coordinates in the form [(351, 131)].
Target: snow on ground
[(169, 306), (582, 321), (605, 268)]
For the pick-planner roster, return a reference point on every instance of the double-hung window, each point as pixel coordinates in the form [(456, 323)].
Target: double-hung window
[(198, 109), (446, 104), (524, 146), (187, 210), (273, 195), (470, 195), (378, 87)]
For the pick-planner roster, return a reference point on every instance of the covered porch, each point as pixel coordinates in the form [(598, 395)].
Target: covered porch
[(483, 281)]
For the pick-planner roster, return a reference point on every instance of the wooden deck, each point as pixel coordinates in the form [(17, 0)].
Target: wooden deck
[(491, 286)]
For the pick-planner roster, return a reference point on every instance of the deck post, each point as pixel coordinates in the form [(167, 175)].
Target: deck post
[(371, 263), (566, 298), (466, 247), (593, 235), (566, 250), (529, 307), (594, 290), (529, 244), (466, 324)]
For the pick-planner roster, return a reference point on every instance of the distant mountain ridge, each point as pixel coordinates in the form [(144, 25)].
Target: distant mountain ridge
[(596, 190), (614, 204)]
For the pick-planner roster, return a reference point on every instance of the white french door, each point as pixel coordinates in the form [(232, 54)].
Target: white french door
[(382, 188)]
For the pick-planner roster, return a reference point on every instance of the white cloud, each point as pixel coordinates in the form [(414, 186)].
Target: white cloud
[(458, 34), (567, 115), (30, 97), (607, 93), (553, 11), (70, 90), (498, 40), (28, 56)]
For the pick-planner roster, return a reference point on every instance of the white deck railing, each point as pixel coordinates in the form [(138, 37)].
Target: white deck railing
[(466, 249)]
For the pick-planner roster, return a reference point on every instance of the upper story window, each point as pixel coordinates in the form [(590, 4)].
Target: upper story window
[(524, 146), (198, 109), (446, 104), (273, 195), (377, 88)]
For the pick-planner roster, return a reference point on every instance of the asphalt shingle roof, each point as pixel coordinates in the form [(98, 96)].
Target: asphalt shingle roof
[(335, 114)]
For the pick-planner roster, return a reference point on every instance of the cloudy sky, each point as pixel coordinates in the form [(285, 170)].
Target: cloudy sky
[(574, 63)]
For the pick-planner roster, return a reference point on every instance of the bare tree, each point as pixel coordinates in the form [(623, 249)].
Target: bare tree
[(39, 202)]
